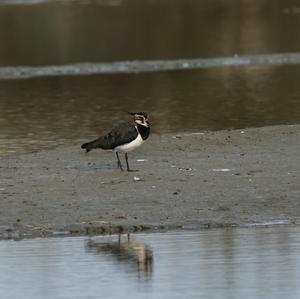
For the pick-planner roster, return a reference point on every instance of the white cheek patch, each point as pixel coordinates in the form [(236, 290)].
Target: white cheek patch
[(141, 122)]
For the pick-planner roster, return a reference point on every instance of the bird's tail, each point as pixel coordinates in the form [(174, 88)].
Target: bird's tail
[(91, 145)]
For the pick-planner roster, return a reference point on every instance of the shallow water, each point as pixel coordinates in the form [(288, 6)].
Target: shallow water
[(44, 112), (233, 263)]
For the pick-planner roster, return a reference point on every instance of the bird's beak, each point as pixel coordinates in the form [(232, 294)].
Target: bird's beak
[(131, 113)]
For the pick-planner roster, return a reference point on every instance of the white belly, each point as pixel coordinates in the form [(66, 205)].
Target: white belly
[(130, 146)]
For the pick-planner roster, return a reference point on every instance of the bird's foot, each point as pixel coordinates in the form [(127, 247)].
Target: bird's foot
[(132, 170), (120, 166)]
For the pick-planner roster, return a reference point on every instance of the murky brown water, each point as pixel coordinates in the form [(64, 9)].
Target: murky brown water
[(49, 111), (235, 263), (43, 112), (60, 32)]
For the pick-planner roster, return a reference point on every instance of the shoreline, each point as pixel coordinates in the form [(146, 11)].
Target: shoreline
[(236, 178), (146, 66)]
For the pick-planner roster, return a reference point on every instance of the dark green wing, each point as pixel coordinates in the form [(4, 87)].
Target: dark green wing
[(123, 133)]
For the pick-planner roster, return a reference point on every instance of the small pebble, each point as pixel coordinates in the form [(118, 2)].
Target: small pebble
[(187, 169), (221, 169)]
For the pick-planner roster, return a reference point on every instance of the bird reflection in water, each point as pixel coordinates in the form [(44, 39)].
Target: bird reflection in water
[(131, 251)]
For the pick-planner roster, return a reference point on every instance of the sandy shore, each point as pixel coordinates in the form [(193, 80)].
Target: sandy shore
[(209, 179)]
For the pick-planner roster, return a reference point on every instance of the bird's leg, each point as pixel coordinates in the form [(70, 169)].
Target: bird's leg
[(126, 158), (119, 162), (128, 168)]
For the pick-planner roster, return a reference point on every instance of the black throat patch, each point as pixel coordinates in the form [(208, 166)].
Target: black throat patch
[(144, 131)]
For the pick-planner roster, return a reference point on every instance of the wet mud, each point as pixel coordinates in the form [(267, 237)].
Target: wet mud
[(189, 180)]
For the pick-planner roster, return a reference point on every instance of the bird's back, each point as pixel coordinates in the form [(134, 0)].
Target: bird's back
[(124, 133)]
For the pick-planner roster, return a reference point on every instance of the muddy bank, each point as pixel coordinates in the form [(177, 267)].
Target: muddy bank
[(209, 179)]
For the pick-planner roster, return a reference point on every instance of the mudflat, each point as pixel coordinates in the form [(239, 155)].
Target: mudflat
[(185, 180)]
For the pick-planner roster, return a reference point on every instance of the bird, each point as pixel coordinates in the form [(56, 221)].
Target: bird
[(123, 138)]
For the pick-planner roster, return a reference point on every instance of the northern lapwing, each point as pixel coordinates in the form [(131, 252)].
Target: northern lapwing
[(123, 138)]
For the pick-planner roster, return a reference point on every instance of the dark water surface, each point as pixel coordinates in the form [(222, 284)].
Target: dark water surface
[(43, 112), (235, 263), (60, 32)]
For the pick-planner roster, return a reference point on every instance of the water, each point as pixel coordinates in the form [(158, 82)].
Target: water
[(44, 112), (234, 263), (61, 32)]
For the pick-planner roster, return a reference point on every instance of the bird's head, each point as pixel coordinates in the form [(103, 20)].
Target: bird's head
[(140, 118)]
